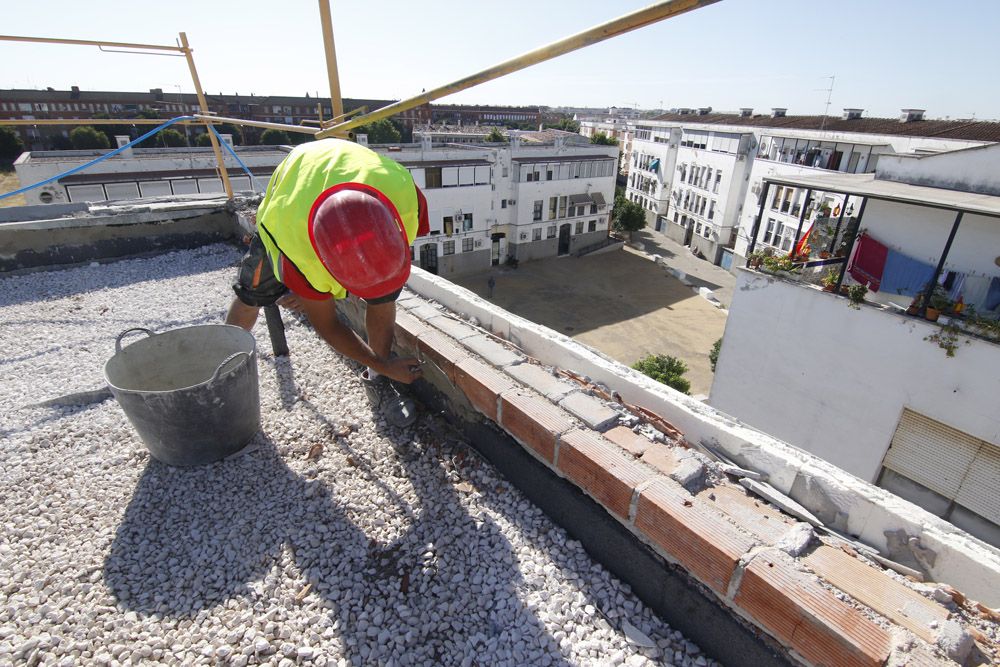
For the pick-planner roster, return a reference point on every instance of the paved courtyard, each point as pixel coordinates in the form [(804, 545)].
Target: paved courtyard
[(620, 303)]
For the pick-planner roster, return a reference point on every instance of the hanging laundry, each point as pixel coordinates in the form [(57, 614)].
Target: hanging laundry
[(904, 275), (868, 262), (974, 292), (993, 295)]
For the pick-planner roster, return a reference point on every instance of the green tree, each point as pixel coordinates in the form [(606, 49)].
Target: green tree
[(11, 145), (85, 137), (627, 216), (171, 138), (111, 131), (566, 124), (272, 137), (666, 369), (604, 140), (235, 130), (60, 142), (713, 356), (496, 136), (203, 140), (380, 132)]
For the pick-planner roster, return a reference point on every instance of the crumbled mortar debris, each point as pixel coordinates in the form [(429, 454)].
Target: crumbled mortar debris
[(377, 547)]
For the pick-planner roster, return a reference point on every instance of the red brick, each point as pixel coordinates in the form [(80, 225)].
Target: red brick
[(879, 591), (596, 466), (797, 611), (481, 384), (533, 420), (755, 516), (702, 542), (661, 457), (443, 351), (633, 443), (407, 330)]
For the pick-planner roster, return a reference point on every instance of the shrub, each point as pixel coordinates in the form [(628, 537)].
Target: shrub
[(713, 356), (87, 137), (666, 369), (170, 138), (272, 137)]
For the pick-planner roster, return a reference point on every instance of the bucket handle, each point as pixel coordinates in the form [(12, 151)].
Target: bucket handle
[(118, 341), (231, 357)]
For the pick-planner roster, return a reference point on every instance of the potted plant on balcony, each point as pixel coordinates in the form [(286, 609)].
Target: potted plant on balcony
[(778, 264), (829, 280), (938, 303), (856, 294)]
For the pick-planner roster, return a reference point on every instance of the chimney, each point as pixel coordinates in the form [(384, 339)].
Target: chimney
[(74, 93), (911, 115), (746, 112), (426, 142), (121, 140), (852, 114), (778, 112)]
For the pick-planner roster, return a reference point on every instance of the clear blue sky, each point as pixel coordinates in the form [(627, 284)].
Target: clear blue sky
[(886, 54)]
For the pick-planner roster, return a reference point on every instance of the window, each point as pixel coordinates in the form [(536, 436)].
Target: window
[(777, 197), (697, 230), (553, 202), (468, 244), (449, 247), (449, 225), (503, 203), (579, 227), (779, 232), (562, 207), (536, 234), (592, 226), (593, 209), (537, 212), (711, 210), (432, 177), (548, 174), (550, 232), (718, 181)]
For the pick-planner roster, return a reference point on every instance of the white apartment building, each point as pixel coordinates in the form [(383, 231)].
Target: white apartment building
[(747, 147), (490, 203), (876, 390)]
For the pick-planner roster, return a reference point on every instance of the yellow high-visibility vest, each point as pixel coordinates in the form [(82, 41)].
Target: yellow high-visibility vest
[(309, 170)]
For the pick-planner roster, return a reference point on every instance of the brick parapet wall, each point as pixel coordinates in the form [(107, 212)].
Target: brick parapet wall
[(823, 609)]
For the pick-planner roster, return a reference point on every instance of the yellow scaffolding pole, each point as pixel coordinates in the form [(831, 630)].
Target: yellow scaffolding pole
[(203, 104), (336, 103), (637, 19)]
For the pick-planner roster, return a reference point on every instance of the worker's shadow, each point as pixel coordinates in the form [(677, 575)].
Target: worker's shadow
[(189, 542)]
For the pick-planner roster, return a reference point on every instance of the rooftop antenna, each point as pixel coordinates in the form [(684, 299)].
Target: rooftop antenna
[(829, 95)]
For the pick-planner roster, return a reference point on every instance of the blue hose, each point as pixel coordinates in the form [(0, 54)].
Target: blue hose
[(115, 152), (253, 181)]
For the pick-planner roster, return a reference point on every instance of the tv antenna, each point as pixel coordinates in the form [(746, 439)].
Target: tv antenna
[(829, 96)]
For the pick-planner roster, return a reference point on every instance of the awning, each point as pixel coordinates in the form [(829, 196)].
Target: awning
[(579, 199), (598, 198)]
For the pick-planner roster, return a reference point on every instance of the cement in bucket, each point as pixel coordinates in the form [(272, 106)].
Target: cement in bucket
[(191, 393)]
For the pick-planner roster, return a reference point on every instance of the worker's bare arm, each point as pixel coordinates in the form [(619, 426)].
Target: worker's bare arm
[(323, 316)]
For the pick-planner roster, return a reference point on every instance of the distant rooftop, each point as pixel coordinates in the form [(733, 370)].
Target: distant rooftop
[(969, 130)]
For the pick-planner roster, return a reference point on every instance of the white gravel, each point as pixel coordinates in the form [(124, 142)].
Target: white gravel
[(390, 548)]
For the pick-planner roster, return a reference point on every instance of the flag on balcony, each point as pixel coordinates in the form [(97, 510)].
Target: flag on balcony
[(802, 247)]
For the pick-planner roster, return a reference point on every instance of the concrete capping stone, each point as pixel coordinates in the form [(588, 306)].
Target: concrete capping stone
[(407, 330), (700, 541), (492, 351), (594, 465), (591, 411), (457, 330), (441, 350), (542, 381), (797, 611)]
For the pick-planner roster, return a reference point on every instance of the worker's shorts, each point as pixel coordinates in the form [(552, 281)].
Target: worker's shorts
[(256, 284)]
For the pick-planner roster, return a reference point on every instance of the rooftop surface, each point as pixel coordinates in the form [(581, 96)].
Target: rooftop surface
[(971, 130), (331, 538)]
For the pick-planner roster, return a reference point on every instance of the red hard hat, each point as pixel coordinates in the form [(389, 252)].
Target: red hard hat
[(358, 236)]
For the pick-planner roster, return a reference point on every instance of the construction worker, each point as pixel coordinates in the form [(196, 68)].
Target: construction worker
[(338, 218)]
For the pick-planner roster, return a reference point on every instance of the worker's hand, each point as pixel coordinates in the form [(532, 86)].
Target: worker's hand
[(292, 301), (404, 370)]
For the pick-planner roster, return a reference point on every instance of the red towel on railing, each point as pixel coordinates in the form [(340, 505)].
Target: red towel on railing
[(868, 262)]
